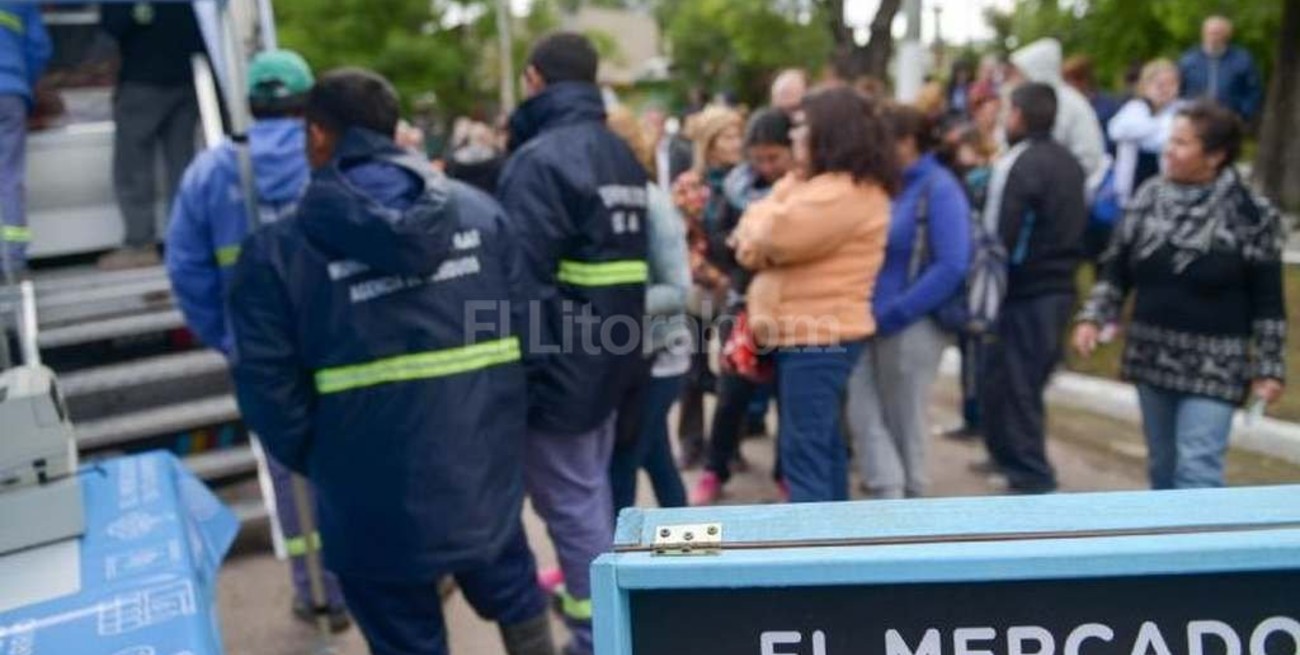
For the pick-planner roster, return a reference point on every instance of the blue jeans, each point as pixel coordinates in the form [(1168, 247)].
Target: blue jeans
[(651, 451), (810, 385), (1187, 437), (13, 172)]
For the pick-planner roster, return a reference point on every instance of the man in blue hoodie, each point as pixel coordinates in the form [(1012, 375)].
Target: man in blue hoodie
[(24, 51), (577, 196), (360, 363), (210, 219)]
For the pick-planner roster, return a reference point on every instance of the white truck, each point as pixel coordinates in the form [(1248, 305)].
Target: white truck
[(132, 376)]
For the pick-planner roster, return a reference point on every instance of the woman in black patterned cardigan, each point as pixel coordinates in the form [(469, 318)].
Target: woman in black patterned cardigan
[(1202, 253)]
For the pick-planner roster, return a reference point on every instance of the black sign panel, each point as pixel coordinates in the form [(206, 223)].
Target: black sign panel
[(1238, 613)]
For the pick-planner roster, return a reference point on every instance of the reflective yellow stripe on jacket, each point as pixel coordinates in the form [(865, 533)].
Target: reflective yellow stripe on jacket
[(15, 234), (419, 366), (12, 21), (603, 274), (227, 255), (297, 546)]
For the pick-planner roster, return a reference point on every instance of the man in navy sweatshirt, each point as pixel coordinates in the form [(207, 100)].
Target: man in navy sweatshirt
[(1036, 206)]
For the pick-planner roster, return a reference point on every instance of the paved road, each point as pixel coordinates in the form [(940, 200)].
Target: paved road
[(1090, 452)]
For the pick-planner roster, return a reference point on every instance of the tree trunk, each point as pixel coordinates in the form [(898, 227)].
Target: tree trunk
[(852, 61), (875, 57), (1277, 164)]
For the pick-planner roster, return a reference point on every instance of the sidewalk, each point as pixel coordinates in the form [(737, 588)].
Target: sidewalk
[(1118, 400), (1094, 442), (254, 593)]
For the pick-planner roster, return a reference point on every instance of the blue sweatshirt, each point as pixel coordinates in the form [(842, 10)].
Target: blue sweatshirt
[(24, 48), (899, 299), (209, 219)]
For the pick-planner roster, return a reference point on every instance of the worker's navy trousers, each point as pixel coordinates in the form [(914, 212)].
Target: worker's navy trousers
[(406, 619)]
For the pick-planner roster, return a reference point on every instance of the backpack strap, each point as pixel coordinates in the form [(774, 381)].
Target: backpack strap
[(921, 236)]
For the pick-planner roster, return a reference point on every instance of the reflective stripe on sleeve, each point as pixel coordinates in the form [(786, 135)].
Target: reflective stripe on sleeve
[(16, 234), (227, 255), (12, 22)]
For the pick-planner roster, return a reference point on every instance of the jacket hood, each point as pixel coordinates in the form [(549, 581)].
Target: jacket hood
[(1040, 61), (562, 103), (380, 205), (279, 152), (921, 168)]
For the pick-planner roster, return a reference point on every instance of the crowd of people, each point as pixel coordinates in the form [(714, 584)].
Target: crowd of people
[(429, 344)]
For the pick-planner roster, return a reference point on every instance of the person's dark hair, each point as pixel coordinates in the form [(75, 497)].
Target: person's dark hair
[(565, 57), (963, 66), (1219, 129), (768, 127), (1037, 103), (353, 97), (847, 134), (279, 110), (907, 121), (1133, 73), (962, 72)]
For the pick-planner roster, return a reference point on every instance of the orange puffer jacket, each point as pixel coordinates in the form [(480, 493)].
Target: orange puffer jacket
[(817, 245)]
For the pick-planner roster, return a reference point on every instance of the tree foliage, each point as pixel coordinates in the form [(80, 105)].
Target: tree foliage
[(735, 45), (401, 39), (443, 48), (1119, 33)]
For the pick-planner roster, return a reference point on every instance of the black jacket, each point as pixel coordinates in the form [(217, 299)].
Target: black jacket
[(156, 40), (576, 196), (370, 354), (1042, 219)]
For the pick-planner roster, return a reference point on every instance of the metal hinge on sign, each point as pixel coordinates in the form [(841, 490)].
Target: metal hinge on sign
[(693, 539)]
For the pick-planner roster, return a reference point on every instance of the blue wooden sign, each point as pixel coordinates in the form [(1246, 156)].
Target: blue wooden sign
[(1198, 572)]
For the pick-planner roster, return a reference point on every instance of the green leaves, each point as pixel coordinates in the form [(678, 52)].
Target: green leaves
[(736, 44), (1118, 33), (447, 48)]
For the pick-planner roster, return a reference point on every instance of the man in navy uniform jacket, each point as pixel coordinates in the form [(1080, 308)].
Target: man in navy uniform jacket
[(356, 365)]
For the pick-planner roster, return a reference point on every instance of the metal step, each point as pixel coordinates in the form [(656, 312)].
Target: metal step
[(87, 277), (222, 463), (112, 328), (158, 286), (66, 295), (249, 512), (170, 419), (151, 370)]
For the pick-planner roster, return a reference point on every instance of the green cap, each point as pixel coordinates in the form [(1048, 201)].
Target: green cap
[(278, 76)]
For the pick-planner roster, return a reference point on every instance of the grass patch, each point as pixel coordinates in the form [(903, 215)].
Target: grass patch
[(1106, 361)]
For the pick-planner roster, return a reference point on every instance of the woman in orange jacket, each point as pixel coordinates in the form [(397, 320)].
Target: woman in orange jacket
[(817, 243)]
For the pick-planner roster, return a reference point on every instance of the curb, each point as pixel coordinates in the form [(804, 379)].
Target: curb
[(1118, 400)]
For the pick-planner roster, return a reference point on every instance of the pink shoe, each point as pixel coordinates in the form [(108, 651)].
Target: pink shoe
[(782, 490), (707, 490), (550, 580)]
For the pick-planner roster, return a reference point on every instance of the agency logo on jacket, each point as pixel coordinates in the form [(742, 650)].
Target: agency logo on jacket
[(576, 198), (355, 362)]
